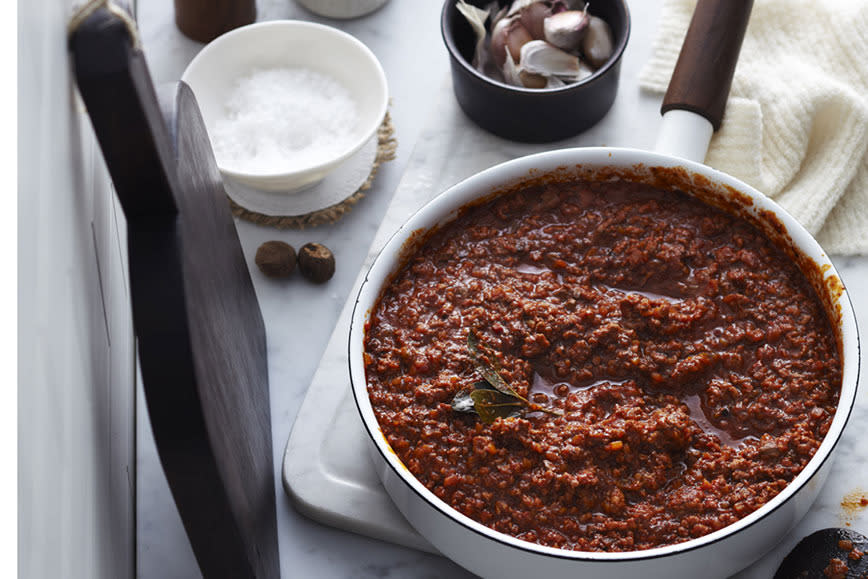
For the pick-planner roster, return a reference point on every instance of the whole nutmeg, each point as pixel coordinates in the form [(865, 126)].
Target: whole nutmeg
[(316, 262), (275, 259)]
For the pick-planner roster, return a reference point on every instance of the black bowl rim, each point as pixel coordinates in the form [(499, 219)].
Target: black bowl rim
[(449, 41)]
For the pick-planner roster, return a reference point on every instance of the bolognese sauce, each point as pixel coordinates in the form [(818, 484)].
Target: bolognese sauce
[(692, 366)]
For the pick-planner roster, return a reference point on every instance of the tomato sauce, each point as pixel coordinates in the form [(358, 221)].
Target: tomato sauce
[(694, 366)]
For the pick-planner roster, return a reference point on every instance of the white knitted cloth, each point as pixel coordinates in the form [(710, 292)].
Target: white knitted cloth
[(796, 124)]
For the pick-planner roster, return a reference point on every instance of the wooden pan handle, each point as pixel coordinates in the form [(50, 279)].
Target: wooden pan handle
[(703, 74)]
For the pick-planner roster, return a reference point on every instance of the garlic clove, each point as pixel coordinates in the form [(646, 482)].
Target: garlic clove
[(531, 80), (534, 12), (476, 17), (540, 57), (566, 29), (509, 33), (533, 16), (598, 44)]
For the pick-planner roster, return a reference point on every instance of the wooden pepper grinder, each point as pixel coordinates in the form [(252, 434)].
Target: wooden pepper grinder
[(205, 20)]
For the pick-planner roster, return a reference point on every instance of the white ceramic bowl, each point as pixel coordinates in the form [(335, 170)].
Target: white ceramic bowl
[(718, 554), (290, 44)]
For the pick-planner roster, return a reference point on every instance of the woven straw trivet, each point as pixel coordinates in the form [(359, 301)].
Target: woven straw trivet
[(386, 147)]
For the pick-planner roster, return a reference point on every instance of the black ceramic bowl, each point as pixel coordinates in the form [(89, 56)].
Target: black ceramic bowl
[(533, 115)]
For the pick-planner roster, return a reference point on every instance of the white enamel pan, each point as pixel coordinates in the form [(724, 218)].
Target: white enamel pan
[(693, 108)]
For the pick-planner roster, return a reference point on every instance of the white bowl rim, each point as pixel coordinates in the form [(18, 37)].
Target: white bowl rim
[(365, 135), (596, 157)]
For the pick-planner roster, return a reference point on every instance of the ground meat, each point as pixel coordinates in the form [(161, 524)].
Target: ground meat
[(837, 569), (696, 369)]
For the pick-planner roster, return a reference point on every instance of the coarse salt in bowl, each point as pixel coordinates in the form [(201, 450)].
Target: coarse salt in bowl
[(285, 102)]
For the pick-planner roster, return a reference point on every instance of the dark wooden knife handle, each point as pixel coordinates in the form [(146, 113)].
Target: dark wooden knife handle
[(703, 74)]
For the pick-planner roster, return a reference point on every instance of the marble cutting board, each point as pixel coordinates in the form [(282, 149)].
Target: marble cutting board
[(327, 471)]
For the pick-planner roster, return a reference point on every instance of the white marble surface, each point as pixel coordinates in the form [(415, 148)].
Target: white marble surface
[(300, 317)]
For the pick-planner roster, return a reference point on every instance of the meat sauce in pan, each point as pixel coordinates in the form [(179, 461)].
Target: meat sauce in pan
[(695, 367)]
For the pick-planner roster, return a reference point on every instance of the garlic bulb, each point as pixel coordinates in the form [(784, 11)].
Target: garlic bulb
[(566, 29)]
